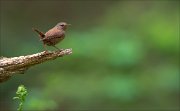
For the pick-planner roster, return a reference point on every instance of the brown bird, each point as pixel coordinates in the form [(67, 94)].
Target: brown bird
[(54, 35)]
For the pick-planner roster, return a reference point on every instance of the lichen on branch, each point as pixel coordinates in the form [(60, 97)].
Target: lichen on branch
[(13, 65)]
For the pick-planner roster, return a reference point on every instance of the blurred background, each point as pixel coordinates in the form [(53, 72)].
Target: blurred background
[(125, 55)]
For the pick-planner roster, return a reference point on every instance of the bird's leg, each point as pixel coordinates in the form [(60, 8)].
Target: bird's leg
[(57, 48), (44, 45)]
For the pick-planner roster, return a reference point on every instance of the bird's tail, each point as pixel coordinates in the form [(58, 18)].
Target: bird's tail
[(41, 35)]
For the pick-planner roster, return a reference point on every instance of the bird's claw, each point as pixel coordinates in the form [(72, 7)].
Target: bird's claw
[(46, 51), (60, 50)]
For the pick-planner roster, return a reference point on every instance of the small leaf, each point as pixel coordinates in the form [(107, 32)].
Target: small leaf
[(21, 93)]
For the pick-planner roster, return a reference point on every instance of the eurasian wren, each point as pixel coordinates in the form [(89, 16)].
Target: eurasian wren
[(54, 35)]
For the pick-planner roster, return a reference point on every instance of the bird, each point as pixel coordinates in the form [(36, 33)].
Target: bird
[(53, 36)]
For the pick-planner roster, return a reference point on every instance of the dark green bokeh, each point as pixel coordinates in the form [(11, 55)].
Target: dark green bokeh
[(125, 55)]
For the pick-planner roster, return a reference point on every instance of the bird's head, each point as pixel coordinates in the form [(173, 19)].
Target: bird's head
[(62, 25)]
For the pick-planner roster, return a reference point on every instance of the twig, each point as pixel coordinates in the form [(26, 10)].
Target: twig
[(10, 66)]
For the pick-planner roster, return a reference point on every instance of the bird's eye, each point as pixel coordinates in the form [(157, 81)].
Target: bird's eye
[(62, 25)]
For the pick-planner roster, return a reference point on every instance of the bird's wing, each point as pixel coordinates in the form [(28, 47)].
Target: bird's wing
[(53, 33)]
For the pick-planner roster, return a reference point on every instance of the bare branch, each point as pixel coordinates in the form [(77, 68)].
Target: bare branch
[(10, 66)]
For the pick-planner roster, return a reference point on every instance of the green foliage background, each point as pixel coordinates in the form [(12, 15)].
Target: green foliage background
[(125, 55)]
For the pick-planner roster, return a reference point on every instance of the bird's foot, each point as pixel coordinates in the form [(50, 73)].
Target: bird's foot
[(46, 52), (60, 50)]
